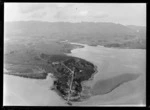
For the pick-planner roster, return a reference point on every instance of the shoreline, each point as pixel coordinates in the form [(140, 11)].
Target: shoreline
[(82, 82), (87, 96), (92, 76), (97, 45)]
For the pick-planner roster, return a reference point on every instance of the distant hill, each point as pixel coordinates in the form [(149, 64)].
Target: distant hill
[(84, 32), (31, 44), (140, 29)]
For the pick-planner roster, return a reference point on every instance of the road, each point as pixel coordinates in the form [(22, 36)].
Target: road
[(70, 86)]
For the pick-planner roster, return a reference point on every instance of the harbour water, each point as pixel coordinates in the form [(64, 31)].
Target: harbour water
[(110, 63), (20, 91)]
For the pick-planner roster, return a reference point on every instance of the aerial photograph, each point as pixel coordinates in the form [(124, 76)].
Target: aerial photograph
[(74, 54)]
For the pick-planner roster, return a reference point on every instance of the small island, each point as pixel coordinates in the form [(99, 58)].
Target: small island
[(69, 74)]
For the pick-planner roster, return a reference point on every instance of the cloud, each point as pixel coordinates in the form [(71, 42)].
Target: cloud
[(79, 15), (30, 7), (98, 14), (38, 15), (61, 5), (123, 13), (83, 13)]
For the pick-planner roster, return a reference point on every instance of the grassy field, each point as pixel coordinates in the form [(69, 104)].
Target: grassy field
[(20, 58)]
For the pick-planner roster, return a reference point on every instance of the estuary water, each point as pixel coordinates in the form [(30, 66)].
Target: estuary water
[(19, 91), (110, 63), (121, 71)]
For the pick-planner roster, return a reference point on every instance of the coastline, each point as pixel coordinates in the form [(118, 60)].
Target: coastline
[(83, 82), (95, 66), (87, 95), (34, 92), (106, 46), (92, 76)]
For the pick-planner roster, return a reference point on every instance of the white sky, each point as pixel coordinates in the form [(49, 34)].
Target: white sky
[(123, 13)]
